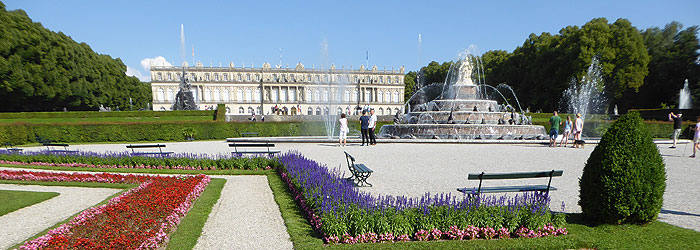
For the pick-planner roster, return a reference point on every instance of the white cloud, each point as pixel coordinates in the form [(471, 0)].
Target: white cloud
[(146, 63), (135, 72)]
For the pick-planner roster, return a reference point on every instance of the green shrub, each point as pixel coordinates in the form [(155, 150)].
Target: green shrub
[(625, 177), (93, 114), (220, 112)]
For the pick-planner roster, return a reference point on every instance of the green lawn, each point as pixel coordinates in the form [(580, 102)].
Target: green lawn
[(106, 119), (11, 201)]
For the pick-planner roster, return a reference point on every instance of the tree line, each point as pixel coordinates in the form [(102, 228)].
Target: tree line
[(640, 68), (41, 70)]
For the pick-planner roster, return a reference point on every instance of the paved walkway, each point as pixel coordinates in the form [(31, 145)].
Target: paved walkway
[(19, 225), (245, 217)]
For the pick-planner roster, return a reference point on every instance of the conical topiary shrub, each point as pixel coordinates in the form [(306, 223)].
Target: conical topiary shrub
[(625, 177)]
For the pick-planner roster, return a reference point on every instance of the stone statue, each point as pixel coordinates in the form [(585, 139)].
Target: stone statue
[(465, 73), (184, 100)]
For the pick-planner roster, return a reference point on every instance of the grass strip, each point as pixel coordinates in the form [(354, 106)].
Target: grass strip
[(190, 228), (298, 228), (144, 171), (11, 200)]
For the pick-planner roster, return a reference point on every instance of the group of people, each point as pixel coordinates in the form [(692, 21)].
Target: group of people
[(678, 128), (368, 123), (574, 128)]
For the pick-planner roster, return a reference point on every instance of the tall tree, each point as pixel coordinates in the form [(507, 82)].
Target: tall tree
[(45, 70)]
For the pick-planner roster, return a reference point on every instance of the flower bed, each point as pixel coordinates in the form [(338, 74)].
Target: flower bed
[(126, 160), (342, 214), (141, 218)]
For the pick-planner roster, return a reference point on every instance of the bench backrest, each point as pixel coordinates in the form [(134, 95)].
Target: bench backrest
[(515, 175), (55, 144), (249, 134), (351, 161), (146, 146), (237, 145)]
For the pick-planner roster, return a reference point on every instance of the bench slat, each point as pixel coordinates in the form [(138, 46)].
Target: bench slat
[(151, 153), (146, 146), (361, 168), (256, 152), (516, 175), (508, 189), (251, 145), (55, 144)]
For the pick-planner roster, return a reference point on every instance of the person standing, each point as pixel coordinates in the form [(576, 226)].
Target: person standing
[(372, 126), (567, 131), (554, 123), (696, 139), (343, 137), (677, 126), (364, 126), (578, 130)]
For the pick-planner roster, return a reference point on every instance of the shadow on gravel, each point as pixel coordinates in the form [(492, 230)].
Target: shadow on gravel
[(664, 211)]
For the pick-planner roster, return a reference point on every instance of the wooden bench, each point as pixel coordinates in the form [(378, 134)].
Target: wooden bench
[(159, 146), (50, 147), (516, 175), (249, 134), (360, 172), (11, 148), (240, 146)]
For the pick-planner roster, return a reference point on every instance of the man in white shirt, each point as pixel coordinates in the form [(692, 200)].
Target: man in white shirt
[(372, 126)]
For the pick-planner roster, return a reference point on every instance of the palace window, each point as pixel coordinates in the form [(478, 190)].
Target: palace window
[(354, 78), (381, 111), (308, 78), (170, 77), (179, 77), (325, 95), (161, 95), (225, 77), (381, 96), (249, 95), (318, 111), (274, 76), (257, 77), (317, 96), (216, 77), (283, 95), (387, 96), (160, 77), (347, 96), (239, 95), (250, 110), (396, 79), (325, 78), (292, 95), (207, 94), (293, 78), (240, 78), (354, 95), (206, 77), (216, 95), (307, 97), (310, 111), (396, 97), (241, 110), (318, 78), (171, 97), (247, 77), (193, 77), (284, 78), (257, 94), (226, 95), (275, 95), (340, 111)]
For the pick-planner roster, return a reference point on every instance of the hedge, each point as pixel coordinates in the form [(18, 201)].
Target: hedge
[(22, 133), (93, 114), (657, 129)]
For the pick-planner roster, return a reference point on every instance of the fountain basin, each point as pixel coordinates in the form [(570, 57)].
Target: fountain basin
[(459, 117), (462, 131)]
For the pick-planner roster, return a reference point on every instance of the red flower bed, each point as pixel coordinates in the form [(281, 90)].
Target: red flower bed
[(141, 218)]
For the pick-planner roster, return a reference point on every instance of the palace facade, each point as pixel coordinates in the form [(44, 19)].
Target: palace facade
[(291, 91)]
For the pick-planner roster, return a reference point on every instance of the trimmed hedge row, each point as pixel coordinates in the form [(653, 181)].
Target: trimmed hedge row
[(21, 133), (92, 114), (657, 129)]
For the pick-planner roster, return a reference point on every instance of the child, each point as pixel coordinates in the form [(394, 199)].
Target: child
[(567, 131), (696, 140), (343, 130)]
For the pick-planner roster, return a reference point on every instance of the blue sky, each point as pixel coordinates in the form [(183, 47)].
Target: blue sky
[(248, 32)]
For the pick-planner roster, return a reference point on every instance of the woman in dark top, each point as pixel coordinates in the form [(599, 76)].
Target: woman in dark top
[(364, 127)]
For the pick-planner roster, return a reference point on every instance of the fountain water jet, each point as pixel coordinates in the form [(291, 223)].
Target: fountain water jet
[(684, 101)]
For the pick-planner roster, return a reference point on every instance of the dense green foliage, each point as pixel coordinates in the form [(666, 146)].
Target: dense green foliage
[(93, 114), (21, 133), (220, 112), (41, 70), (624, 178), (640, 69)]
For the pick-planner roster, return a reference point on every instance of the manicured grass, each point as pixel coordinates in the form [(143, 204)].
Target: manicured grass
[(190, 227), (106, 119), (143, 171), (11, 200), (657, 235)]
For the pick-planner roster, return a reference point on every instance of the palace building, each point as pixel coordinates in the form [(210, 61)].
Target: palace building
[(290, 91)]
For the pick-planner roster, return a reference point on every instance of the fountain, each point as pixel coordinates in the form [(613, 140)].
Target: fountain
[(684, 101), (461, 111), (184, 100), (586, 97)]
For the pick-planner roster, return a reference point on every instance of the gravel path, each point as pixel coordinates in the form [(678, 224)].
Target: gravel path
[(245, 217), (19, 225)]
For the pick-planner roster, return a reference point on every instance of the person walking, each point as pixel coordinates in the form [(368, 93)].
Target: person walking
[(567, 131), (343, 137), (578, 130), (372, 126), (677, 126), (554, 123), (364, 126), (696, 139)]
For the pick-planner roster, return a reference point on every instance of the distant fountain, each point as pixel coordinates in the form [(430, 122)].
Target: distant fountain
[(586, 96), (338, 81), (459, 109), (684, 101)]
